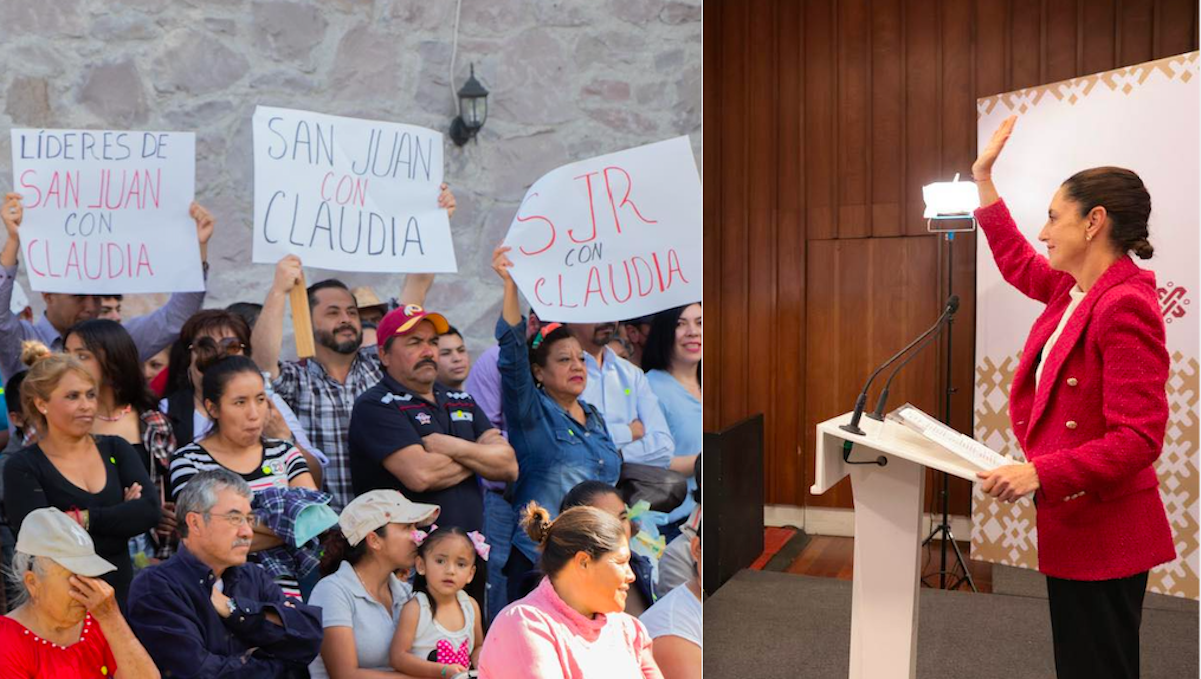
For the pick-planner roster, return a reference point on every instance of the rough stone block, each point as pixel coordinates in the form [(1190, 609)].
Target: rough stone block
[(28, 102), (198, 63), (289, 30), (115, 93)]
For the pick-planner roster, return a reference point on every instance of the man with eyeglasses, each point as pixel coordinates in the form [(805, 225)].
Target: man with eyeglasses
[(151, 333), (206, 613)]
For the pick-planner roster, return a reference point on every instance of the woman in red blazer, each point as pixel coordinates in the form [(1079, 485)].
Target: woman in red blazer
[(1088, 407)]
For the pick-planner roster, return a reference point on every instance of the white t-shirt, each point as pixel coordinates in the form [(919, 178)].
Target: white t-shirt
[(678, 614)]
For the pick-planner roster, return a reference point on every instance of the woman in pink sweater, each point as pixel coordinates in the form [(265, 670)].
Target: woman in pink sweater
[(573, 625), (1088, 408)]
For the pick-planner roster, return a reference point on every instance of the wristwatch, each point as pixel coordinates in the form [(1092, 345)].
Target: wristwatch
[(233, 606)]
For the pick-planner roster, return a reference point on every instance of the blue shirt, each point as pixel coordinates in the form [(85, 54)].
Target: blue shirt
[(172, 614), (620, 391), (151, 333), (554, 451), (684, 419)]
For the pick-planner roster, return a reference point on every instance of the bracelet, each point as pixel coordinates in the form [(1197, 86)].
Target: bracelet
[(444, 669)]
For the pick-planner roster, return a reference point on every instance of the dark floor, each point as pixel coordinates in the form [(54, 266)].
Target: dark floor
[(789, 626)]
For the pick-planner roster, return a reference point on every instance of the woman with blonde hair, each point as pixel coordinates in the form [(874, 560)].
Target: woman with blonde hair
[(95, 480), (573, 624)]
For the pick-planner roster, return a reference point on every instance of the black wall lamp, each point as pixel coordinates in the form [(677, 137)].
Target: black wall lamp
[(473, 110)]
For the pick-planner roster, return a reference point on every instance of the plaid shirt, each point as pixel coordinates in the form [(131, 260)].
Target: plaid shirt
[(323, 406), (279, 509)]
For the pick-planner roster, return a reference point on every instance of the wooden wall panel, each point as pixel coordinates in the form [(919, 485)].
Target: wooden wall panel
[(825, 118), (786, 478)]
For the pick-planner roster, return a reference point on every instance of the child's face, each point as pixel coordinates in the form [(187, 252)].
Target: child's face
[(448, 565)]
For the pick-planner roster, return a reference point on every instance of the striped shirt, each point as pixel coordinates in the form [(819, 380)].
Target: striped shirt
[(281, 464)]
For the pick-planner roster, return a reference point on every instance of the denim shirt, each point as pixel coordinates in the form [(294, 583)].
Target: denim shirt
[(554, 453), (172, 614)]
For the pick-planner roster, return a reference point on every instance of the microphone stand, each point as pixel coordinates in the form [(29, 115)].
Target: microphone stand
[(861, 402), (944, 529)]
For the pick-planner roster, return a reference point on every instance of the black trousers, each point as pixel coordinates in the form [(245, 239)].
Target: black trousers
[(1094, 626)]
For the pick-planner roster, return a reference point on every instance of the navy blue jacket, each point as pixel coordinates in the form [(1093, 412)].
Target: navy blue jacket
[(172, 614)]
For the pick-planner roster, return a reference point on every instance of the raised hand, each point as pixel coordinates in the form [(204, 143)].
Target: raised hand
[(982, 168), (287, 274), (12, 212), (446, 200), (501, 263), (204, 222)]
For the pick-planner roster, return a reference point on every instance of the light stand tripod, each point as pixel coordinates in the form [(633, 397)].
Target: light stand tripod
[(944, 529)]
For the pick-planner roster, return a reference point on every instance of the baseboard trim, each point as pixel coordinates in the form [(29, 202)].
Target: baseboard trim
[(840, 522)]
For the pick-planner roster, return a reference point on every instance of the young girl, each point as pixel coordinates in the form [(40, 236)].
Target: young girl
[(440, 631)]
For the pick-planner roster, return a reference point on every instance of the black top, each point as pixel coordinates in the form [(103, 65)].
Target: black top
[(388, 417), (31, 482)]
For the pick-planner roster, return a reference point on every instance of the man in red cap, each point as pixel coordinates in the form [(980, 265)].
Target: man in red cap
[(411, 434)]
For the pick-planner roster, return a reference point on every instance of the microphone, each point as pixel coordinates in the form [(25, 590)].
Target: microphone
[(861, 402), (944, 321)]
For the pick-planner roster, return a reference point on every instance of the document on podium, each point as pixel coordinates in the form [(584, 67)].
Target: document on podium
[(962, 445)]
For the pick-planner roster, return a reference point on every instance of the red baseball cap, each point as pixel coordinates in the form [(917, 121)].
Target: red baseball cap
[(402, 321)]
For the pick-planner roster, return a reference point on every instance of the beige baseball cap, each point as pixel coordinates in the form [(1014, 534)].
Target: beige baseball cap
[(50, 533), (376, 508)]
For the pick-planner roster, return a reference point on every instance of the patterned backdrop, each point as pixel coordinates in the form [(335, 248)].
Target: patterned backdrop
[(1005, 533)]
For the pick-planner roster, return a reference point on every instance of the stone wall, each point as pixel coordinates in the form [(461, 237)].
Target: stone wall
[(569, 79)]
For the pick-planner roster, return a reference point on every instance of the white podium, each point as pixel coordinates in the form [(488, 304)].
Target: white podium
[(888, 534)]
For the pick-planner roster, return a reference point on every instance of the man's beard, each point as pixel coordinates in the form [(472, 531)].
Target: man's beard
[(326, 339), (603, 333)]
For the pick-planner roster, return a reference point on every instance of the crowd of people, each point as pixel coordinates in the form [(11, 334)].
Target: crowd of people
[(179, 500)]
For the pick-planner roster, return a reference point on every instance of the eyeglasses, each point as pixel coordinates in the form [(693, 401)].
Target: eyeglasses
[(225, 345), (237, 519)]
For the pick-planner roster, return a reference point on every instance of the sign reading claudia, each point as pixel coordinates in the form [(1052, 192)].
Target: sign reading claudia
[(613, 237), (348, 194), (106, 211)]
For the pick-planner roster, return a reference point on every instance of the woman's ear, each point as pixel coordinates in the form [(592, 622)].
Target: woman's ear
[(582, 560), (1096, 221), (211, 409), (695, 547), (538, 374)]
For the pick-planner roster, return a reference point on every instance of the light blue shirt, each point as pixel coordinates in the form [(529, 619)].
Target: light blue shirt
[(622, 394), (684, 419), (345, 603)]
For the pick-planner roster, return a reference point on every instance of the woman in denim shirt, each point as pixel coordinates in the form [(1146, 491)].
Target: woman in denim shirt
[(559, 439)]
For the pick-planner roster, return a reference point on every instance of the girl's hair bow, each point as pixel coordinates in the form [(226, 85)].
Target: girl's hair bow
[(481, 545), (419, 535)]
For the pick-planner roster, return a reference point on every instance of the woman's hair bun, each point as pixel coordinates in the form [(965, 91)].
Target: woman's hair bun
[(33, 351), (1143, 249), (536, 522)]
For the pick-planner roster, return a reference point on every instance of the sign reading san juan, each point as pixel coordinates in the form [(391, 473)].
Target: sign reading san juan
[(347, 194)]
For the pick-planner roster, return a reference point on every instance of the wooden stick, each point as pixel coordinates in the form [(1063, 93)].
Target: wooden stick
[(302, 322)]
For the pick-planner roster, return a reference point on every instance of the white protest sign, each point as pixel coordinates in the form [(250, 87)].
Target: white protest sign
[(613, 237), (348, 194), (106, 211)]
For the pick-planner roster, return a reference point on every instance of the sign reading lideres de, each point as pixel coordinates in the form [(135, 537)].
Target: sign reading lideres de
[(348, 194), (106, 211), (613, 237)]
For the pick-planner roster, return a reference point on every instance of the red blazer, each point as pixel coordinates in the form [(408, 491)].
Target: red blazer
[(1094, 425)]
